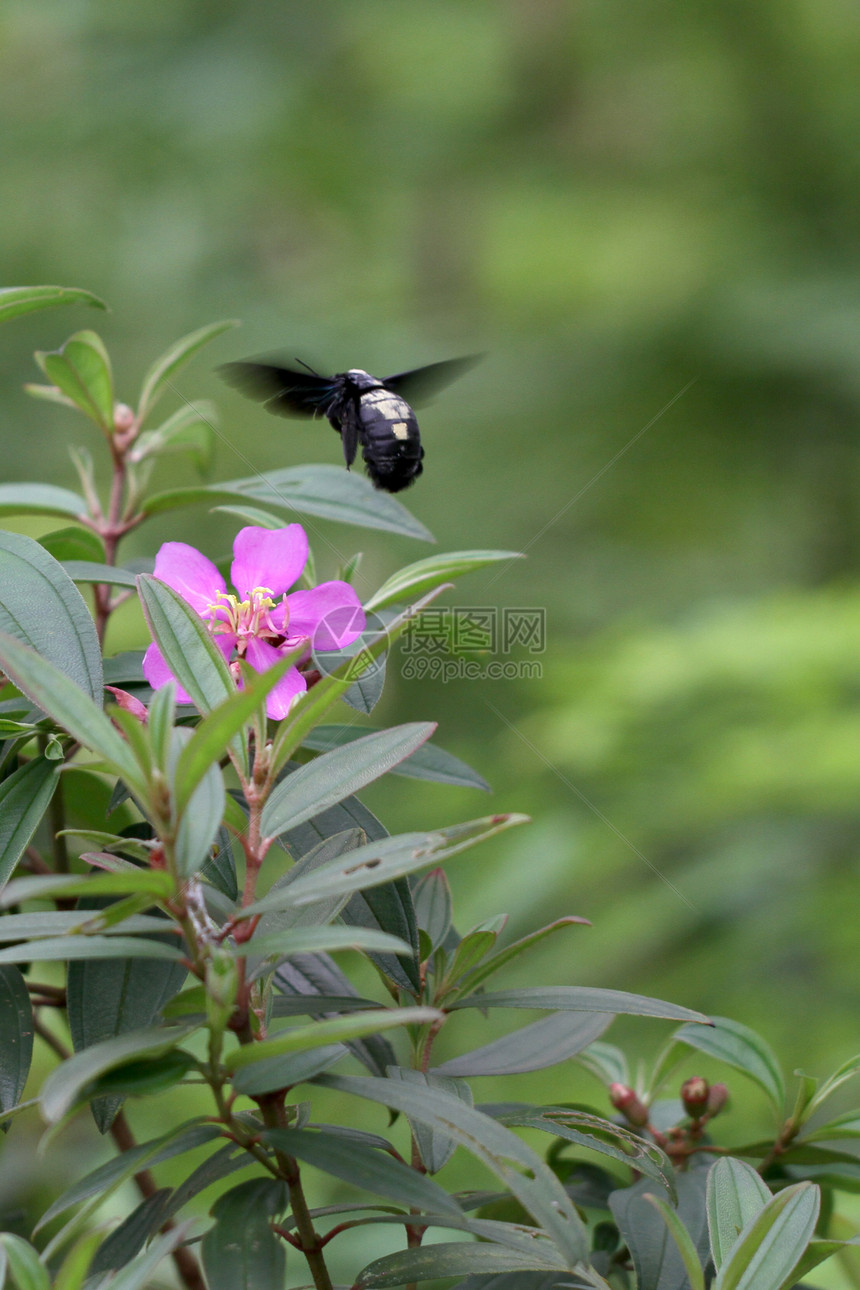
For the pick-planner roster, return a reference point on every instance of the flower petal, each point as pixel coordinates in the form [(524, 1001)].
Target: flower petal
[(191, 574), (330, 614), (157, 672), (261, 655), (272, 558)]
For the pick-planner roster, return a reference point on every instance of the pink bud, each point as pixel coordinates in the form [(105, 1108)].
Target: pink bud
[(129, 703), (625, 1100), (717, 1098), (123, 417), (694, 1095)]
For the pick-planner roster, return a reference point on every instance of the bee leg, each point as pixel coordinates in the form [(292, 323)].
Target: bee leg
[(348, 429)]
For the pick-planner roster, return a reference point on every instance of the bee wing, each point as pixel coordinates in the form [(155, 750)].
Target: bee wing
[(284, 390), (422, 383)]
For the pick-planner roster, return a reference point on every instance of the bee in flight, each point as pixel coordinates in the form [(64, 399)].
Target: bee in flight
[(361, 408)]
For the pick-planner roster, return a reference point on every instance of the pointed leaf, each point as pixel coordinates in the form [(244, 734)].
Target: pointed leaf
[(379, 862), (583, 999), (544, 1043), (318, 940), (123, 883), (203, 814), (681, 1237), (81, 370), (417, 578), (15, 301), (69, 1081), (109, 997), (772, 1244), (63, 949), (435, 1148), (69, 706), (241, 1252), (736, 1044), (136, 1275), (428, 762), (511, 952), (338, 774), (42, 607), (327, 491), (159, 376), (364, 1167), (129, 1238), (519, 1168), (593, 1133), (89, 571), (736, 1195), (16, 1036), (74, 543), (284, 1072), (656, 1258), (336, 1029), (24, 798), (40, 499), (24, 1263)]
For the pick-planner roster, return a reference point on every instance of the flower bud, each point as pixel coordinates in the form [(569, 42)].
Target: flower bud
[(694, 1095), (129, 703), (123, 417), (625, 1100), (717, 1098)]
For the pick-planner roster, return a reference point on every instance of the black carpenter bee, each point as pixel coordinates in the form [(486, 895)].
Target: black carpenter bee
[(361, 408)]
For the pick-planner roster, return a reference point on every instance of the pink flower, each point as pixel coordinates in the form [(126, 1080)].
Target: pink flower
[(262, 622)]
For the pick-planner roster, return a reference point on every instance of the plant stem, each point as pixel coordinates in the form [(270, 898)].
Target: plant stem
[(310, 1243)]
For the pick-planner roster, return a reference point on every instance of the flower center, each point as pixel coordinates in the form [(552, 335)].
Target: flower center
[(249, 618)]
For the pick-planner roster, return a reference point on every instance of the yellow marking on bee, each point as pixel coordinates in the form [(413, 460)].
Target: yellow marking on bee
[(400, 430)]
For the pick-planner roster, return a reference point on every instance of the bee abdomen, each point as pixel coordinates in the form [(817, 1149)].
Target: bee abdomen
[(391, 445)]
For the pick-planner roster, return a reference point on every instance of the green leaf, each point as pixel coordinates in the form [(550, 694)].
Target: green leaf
[(51, 689), (544, 1043), (338, 774), (592, 1133), (81, 370), (319, 940), (379, 862), (363, 1166), (24, 1263), (74, 543), (72, 1273), (333, 1029), (656, 1258), (519, 1168), (42, 607), (15, 301), (128, 1239), (511, 952), (681, 1237), (286, 1071), (109, 997), (435, 1148), (576, 998), (100, 1183), (69, 1081), (68, 948), (201, 819), (136, 1275), (240, 1251), (253, 515), (89, 571), (40, 499), (417, 578), (738, 1046), (772, 1244), (454, 1258), (281, 920), (159, 376), (428, 762), (190, 429), (126, 882), (432, 896), (16, 1036), (844, 1072), (736, 1195), (25, 796), (327, 491)]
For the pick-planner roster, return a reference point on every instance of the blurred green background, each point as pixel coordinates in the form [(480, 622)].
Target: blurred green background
[(647, 217)]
